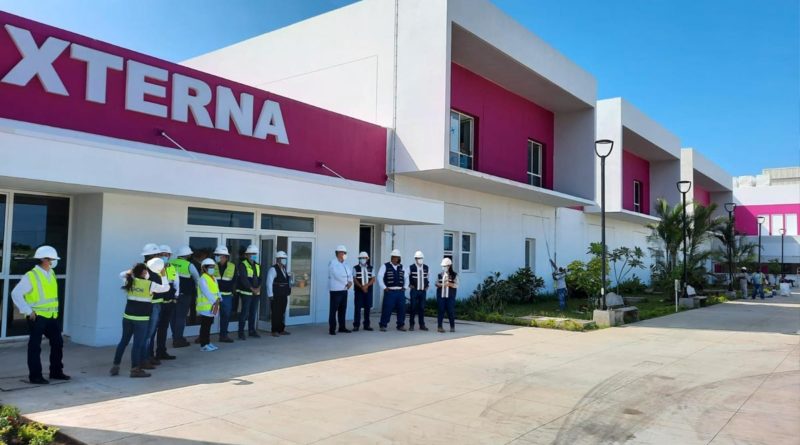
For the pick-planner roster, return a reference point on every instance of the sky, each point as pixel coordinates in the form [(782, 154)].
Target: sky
[(723, 75)]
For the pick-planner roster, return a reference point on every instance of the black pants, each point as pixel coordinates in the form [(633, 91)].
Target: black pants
[(163, 325), (279, 313), (337, 310), (49, 328), (205, 329)]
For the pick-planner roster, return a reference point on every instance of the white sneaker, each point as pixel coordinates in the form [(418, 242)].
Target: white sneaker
[(207, 348), (213, 346)]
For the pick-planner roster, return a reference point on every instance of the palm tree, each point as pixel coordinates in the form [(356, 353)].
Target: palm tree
[(742, 251), (666, 235)]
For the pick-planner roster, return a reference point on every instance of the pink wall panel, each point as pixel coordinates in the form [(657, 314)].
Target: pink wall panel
[(701, 195), (746, 215), (505, 122), (355, 149), (635, 168)]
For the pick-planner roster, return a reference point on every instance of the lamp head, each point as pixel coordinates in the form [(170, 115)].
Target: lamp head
[(730, 207), (761, 220), (684, 186), (603, 147), (782, 232)]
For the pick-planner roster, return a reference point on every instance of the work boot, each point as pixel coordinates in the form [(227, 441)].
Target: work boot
[(138, 373), (369, 329), (59, 376), (154, 361), (146, 365), (402, 328), (355, 328), (114, 370), (440, 330), (383, 329), (423, 328), (38, 381), (285, 333), (180, 343), (411, 327), (275, 334), (165, 356), (253, 334), (242, 337), (225, 339)]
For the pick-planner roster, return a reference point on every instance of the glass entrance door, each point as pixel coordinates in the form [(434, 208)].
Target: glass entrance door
[(267, 250), (202, 245), (236, 245), (300, 267)]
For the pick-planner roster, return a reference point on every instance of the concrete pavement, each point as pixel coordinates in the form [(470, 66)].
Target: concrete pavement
[(727, 374)]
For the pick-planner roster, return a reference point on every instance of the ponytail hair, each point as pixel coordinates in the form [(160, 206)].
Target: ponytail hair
[(136, 272)]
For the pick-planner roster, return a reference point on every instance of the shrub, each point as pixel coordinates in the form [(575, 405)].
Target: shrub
[(495, 292), (13, 430), (631, 286), (37, 434)]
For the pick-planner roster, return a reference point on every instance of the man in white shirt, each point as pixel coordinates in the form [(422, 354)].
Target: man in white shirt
[(340, 280), (392, 279)]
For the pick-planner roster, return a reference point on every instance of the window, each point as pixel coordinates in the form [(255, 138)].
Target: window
[(637, 196), (2, 232), (764, 228), (777, 224), (530, 253), (462, 140), (534, 163), (38, 220), (290, 223), (220, 218), (791, 224), (449, 247), (467, 240)]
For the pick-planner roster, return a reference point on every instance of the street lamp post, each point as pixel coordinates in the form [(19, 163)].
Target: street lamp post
[(684, 187), (783, 235), (603, 148), (730, 207), (760, 223)]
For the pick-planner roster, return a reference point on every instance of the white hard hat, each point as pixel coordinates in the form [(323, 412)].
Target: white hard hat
[(363, 255), (150, 249), (155, 264), (252, 248), (165, 249), (341, 248), (207, 262), (281, 254), (418, 254), (46, 252), (396, 252), (184, 251), (221, 250), (447, 262)]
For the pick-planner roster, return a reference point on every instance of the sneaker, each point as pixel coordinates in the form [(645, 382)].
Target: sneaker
[(114, 370), (138, 373), (369, 329), (423, 328), (165, 356), (206, 348), (440, 330), (213, 346)]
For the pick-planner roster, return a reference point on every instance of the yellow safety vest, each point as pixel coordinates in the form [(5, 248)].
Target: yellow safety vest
[(181, 266), (171, 272), (139, 292), (227, 275), (249, 269), (203, 303), (43, 297)]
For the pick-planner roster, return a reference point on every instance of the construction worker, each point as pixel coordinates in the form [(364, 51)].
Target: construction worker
[(743, 281), (560, 277), (249, 285), (36, 297), (208, 301), (150, 251), (188, 277), (418, 290), (278, 290), (168, 305), (139, 288), (225, 273), (340, 280), (446, 289), (392, 279), (364, 279), (758, 284)]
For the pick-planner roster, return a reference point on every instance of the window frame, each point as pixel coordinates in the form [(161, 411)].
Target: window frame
[(530, 254), (469, 253), (637, 196), (540, 175), (472, 149), (452, 252), (254, 217)]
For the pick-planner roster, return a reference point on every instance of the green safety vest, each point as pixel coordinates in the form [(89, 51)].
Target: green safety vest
[(43, 297), (227, 275), (203, 303), (138, 293), (181, 266), (249, 269), (172, 272)]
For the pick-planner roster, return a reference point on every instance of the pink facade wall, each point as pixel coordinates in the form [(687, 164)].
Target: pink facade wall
[(505, 122), (746, 215), (355, 149), (635, 168), (701, 195)]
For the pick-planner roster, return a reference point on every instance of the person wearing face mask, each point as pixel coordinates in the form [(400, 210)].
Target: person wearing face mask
[(149, 252), (139, 288), (208, 301), (364, 279), (36, 297), (340, 280), (249, 285), (392, 280), (187, 293), (168, 306), (278, 290), (418, 290), (446, 288), (225, 273)]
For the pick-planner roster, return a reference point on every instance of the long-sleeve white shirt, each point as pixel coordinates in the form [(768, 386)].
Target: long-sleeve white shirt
[(18, 293), (382, 273), (155, 288), (271, 278), (211, 296), (339, 275)]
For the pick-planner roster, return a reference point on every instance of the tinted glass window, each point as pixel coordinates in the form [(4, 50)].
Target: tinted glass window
[(38, 221), (220, 218), (289, 223)]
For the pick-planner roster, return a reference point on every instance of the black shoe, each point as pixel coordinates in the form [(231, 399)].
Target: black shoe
[(369, 329), (38, 381), (180, 343), (355, 328), (331, 332), (242, 337), (165, 356), (383, 329), (402, 328), (225, 339), (346, 331), (423, 328), (411, 327), (60, 376), (253, 334)]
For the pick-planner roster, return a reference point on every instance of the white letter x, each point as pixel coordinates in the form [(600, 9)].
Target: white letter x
[(36, 61)]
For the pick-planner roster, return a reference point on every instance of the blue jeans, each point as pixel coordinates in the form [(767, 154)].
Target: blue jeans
[(49, 328), (447, 305), (225, 314), (393, 300), (152, 327), (248, 312), (362, 301), (562, 298), (137, 330), (179, 316), (758, 289), (417, 306)]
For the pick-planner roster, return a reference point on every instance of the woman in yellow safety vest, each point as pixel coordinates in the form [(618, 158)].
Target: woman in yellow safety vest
[(139, 288), (208, 299)]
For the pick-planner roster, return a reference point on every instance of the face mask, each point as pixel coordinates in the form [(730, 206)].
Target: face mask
[(344, 257), (362, 261), (444, 268), (217, 258), (147, 275), (211, 270), (254, 258), (419, 261), (53, 264), (282, 261)]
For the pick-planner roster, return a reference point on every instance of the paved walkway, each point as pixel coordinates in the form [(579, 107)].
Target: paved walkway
[(728, 374)]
